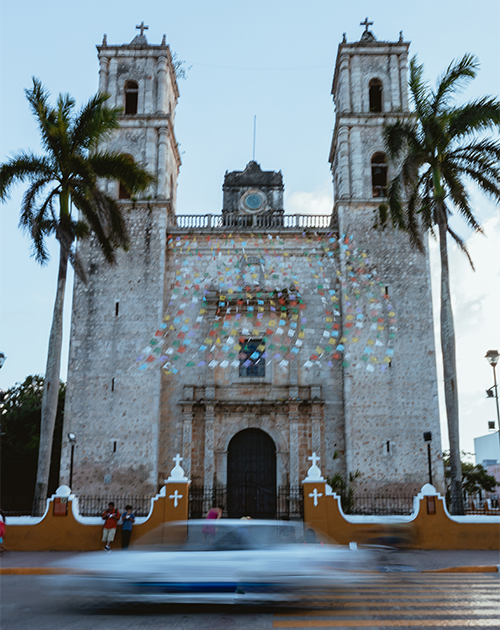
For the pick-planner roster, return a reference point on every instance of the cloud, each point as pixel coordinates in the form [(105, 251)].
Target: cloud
[(319, 202), (476, 308)]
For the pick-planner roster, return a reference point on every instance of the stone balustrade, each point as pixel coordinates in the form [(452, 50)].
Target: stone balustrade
[(250, 222)]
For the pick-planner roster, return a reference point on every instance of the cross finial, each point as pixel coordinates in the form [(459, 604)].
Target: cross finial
[(177, 459), (366, 24), (142, 28), (314, 458)]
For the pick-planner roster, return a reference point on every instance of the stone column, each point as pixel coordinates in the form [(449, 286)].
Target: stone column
[(344, 85), (403, 82), (209, 437), (395, 89), (359, 182), (356, 88), (343, 163), (316, 416), (187, 437), (117, 91), (293, 418), (161, 77), (161, 188), (103, 74)]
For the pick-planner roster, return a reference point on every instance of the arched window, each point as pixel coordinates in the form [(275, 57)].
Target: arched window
[(379, 175), (131, 97), (375, 90), (123, 193)]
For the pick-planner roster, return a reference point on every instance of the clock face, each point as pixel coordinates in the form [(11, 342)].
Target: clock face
[(253, 201)]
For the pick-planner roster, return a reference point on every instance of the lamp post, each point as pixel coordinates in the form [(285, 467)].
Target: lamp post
[(2, 359), (428, 440), (492, 357), (72, 441)]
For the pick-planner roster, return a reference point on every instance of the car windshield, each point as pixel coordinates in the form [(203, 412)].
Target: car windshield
[(225, 535)]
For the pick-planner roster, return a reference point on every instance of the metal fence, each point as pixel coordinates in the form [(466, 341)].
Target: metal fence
[(23, 506), (95, 506), (88, 505), (289, 501), (378, 504)]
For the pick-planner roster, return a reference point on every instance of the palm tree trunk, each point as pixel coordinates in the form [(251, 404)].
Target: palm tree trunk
[(51, 387), (450, 369)]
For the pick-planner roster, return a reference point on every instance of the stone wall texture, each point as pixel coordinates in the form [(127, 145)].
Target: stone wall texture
[(344, 314)]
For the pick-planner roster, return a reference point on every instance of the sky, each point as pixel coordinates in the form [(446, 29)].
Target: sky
[(272, 59)]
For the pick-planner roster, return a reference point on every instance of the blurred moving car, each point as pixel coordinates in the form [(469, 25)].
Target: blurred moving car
[(237, 561)]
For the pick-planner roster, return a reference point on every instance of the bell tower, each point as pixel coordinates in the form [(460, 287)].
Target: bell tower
[(390, 403), (113, 409), (140, 78)]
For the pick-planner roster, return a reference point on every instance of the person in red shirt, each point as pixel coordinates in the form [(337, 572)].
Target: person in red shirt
[(111, 516)]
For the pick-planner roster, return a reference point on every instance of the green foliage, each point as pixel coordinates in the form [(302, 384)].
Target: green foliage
[(68, 174), (20, 436), (441, 147), (475, 478), (180, 68), (343, 487)]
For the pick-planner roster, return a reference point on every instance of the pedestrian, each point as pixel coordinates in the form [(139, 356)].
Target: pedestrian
[(128, 519), (2, 531), (111, 516), (208, 530)]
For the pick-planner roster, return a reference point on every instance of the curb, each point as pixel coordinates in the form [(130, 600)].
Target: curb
[(492, 568), (34, 571), (488, 568)]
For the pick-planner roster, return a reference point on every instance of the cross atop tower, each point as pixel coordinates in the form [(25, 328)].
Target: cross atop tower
[(366, 24), (145, 28)]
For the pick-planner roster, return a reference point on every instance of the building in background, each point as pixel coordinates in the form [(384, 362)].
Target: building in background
[(248, 339)]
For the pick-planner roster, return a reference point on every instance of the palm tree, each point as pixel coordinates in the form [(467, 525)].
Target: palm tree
[(67, 176), (439, 150)]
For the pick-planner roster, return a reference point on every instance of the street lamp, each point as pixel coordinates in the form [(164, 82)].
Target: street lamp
[(72, 441), (428, 440), (2, 359), (492, 357)]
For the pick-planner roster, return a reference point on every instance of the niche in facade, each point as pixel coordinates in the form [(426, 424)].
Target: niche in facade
[(379, 175), (131, 97), (123, 192), (375, 91)]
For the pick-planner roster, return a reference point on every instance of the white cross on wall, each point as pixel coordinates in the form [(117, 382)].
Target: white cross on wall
[(314, 495), (177, 459), (176, 496), (314, 458)]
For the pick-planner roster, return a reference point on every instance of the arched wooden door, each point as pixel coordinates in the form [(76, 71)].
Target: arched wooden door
[(251, 475)]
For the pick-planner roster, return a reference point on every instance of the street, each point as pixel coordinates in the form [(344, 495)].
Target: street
[(444, 600)]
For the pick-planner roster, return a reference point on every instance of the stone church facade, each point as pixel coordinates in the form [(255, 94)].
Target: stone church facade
[(248, 339)]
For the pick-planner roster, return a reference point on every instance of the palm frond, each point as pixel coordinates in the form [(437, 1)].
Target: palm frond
[(487, 184), (454, 78), (461, 244), (478, 115), (483, 149), (38, 98), (21, 167), (398, 135), (121, 167), (76, 263), (94, 214), (419, 88), (94, 123)]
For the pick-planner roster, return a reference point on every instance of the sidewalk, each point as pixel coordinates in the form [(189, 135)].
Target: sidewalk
[(419, 560)]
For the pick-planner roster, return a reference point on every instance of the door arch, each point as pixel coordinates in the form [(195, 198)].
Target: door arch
[(251, 475)]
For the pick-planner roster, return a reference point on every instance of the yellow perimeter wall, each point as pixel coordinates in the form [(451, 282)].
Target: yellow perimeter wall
[(423, 530), (66, 533), (427, 531)]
